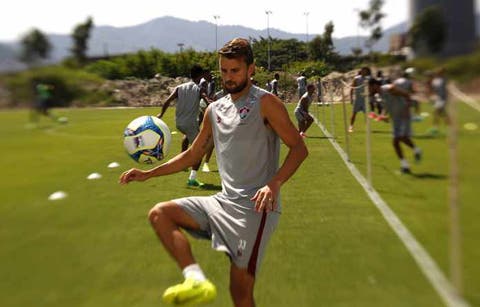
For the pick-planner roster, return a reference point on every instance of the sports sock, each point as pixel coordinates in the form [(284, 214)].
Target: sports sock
[(194, 271), (193, 175), (404, 163)]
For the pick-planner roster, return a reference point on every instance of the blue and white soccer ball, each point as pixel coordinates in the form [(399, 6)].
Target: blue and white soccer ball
[(147, 139)]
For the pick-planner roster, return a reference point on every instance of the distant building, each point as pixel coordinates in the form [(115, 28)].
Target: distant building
[(460, 19), (397, 43)]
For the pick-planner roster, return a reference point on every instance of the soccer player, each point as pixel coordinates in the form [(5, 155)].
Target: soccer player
[(301, 84), (397, 98), (186, 114), (274, 84), (304, 119), (246, 126), (42, 103), (357, 94), (207, 83), (438, 87)]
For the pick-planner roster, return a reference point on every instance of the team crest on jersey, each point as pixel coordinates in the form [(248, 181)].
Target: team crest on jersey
[(243, 112)]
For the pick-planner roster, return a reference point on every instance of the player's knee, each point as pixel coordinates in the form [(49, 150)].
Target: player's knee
[(156, 213)]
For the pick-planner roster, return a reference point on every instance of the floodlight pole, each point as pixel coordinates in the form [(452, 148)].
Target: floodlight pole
[(357, 10), (268, 33), (216, 17), (180, 45), (306, 23)]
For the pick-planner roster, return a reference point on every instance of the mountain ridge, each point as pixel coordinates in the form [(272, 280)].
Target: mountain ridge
[(166, 32)]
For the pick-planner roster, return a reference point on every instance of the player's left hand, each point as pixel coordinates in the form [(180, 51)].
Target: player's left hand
[(266, 198)]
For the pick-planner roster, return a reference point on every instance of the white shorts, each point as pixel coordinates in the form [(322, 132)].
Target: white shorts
[(240, 232)]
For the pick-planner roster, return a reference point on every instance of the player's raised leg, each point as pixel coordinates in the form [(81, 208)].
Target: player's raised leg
[(166, 219)]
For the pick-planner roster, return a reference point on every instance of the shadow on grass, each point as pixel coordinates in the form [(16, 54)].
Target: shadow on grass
[(429, 136), (206, 187), (381, 132), (428, 176)]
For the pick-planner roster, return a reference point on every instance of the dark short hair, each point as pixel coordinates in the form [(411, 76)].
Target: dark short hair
[(237, 48), (196, 71)]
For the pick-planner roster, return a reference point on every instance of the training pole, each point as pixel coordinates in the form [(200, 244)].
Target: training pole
[(368, 134), (345, 124), (455, 236), (323, 112), (332, 114)]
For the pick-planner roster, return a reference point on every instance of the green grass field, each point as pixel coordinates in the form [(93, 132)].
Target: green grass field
[(332, 246)]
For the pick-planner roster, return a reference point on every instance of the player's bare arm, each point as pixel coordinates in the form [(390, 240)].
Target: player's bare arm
[(277, 118), (170, 98), (181, 161)]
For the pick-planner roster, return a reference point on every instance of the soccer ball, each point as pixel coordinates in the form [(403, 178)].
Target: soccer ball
[(147, 139)]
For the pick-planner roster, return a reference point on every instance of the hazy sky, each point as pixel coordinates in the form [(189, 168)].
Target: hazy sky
[(60, 16)]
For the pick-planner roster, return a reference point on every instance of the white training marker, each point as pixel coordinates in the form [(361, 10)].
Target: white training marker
[(174, 132), (93, 176), (470, 126), (425, 114), (113, 165), (57, 195)]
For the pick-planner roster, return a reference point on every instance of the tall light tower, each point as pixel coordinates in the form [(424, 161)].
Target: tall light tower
[(180, 45), (268, 33), (357, 11), (216, 17), (306, 23)]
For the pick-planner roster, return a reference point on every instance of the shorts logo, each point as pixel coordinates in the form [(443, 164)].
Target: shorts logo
[(242, 244)]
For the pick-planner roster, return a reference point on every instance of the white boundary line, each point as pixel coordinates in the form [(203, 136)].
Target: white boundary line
[(427, 265), (463, 97)]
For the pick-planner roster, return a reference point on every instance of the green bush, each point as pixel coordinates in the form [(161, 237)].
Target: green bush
[(69, 85), (145, 64), (464, 68)]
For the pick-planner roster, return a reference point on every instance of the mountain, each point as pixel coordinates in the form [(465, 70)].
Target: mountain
[(165, 33)]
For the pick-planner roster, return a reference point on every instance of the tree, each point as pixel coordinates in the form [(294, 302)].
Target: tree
[(321, 47), (370, 19), (429, 31), (80, 36), (35, 46)]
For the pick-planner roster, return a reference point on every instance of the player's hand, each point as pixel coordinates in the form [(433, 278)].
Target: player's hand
[(266, 199), (133, 174)]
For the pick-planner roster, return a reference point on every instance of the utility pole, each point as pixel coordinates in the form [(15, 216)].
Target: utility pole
[(216, 17), (268, 33)]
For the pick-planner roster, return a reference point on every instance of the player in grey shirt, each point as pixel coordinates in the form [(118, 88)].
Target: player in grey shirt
[(186, 114), (246, 127), (357, 94), (397, 101), (301, 84), (438, 89)]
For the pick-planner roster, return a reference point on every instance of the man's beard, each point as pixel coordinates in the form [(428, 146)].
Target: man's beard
[(236, 89)]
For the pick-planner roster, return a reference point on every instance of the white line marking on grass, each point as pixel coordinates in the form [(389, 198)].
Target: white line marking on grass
[(427, 265), (83, 136), (463, 97)]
